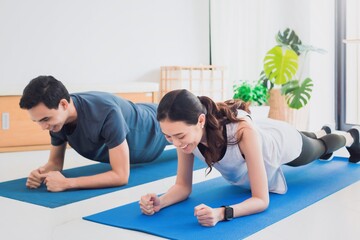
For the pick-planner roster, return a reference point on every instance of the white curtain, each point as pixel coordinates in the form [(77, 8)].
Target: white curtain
[(242, 31)]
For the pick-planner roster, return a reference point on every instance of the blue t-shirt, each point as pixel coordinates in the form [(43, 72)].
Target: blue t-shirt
[(104, 121)]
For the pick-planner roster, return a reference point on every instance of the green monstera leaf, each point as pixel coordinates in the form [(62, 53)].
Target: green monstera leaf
[(290, 39), (280, 65), (265, 81), (297, 96)]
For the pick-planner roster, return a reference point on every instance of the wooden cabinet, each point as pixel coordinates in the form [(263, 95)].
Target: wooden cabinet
[(23, 134), (146, 97), (22, 131)]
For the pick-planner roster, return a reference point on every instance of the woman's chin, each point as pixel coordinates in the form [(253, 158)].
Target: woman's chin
[(188, 149)]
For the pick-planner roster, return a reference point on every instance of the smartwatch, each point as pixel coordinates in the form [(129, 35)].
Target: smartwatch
[(228, 213)]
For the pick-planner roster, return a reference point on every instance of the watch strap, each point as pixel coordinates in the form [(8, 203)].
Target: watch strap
[(228, 213)]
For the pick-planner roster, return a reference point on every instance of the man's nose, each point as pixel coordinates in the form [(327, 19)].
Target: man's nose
[(43, 125)]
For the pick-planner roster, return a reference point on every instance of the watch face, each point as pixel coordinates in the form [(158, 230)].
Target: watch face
[(229, 213)]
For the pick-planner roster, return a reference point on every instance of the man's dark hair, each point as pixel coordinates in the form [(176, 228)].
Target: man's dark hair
[(44, 89)]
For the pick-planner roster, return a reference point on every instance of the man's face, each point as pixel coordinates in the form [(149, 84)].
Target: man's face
[(50, 119)]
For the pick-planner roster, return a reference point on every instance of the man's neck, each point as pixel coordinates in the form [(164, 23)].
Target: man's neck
[(72, 117)]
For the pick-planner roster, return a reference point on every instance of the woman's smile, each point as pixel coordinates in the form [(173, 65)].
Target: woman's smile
[(183, 147)]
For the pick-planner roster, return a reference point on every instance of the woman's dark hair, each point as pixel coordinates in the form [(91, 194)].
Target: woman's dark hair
[(182, 105), (44, 89)]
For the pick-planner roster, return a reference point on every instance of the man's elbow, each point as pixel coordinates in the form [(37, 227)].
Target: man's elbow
[(121, 181)]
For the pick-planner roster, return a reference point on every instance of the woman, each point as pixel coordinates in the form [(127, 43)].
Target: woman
[(247, 154)]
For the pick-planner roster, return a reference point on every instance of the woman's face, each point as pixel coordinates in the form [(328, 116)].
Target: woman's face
[(184, 136)]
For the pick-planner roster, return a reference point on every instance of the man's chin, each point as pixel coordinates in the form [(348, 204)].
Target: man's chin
[(55, 130)]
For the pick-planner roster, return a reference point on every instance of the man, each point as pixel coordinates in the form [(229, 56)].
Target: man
[(99, 126)]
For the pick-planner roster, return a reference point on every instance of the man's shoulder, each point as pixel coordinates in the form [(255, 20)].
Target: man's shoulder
[(95, 102), (98, 97), (93, 94)]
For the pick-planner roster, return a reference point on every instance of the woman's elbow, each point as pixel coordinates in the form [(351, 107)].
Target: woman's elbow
[(265, 202), (262, 203), (184, 192)]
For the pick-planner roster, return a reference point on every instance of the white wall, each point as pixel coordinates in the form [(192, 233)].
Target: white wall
[(116, 42), (96, 42)]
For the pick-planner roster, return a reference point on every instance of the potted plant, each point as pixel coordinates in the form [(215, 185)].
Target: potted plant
[(283, 72), (255, 94)]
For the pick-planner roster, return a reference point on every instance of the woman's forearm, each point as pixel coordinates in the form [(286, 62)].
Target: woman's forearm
[(250, 206), (176, 193)]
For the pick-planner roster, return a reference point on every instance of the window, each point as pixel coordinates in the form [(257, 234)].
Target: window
[(348, 63)]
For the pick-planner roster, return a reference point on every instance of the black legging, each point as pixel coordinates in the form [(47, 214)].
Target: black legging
[(313, 148)]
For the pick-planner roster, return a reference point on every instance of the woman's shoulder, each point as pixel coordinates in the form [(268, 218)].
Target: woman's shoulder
[(242, 113), (235, 130)]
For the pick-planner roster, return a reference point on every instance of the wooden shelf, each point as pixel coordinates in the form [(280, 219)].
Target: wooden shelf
[(351, 40), (200, 80)]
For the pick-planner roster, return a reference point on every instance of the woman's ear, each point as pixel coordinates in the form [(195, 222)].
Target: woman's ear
[(202, 120)]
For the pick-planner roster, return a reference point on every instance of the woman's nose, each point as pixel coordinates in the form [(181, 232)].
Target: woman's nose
[(176, 143)]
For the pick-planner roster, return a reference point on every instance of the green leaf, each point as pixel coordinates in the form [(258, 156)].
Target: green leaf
[(308, 48), (297, 96), (263, 80), (251, 92), (260, 94), (280, 65), (289, 39)]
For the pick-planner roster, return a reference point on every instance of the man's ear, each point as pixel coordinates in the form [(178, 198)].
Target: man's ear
[(64, 103)]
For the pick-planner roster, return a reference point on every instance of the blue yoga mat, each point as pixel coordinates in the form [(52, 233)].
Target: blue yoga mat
[(164, 166), (306, 185)]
